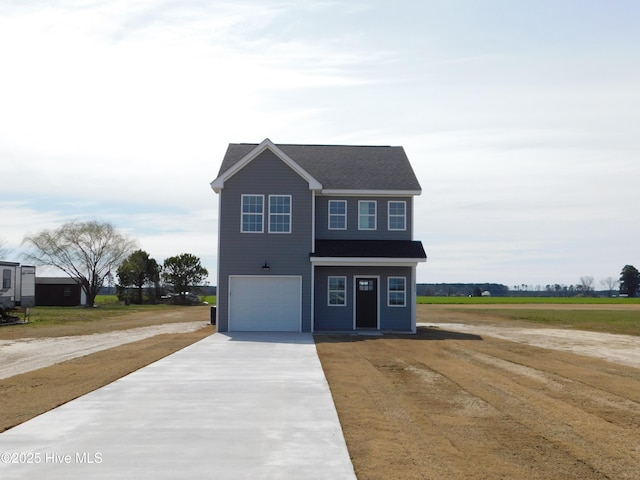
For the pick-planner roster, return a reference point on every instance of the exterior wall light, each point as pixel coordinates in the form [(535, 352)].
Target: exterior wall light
[(266, 266)]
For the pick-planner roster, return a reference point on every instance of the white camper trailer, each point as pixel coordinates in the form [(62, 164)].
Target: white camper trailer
[(18, 287)]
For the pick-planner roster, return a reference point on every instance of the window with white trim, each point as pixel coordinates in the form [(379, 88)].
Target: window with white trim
[(337, 291), (366, 215), (279, 213), (397, 291), (337, 214), (252, 214), (397, 215)]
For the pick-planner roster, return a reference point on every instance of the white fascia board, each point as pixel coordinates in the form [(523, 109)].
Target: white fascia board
[(376, 193), (218, 183), (365, 261)]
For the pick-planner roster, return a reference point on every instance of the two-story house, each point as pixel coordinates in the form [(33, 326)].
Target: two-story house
[(316, 238)]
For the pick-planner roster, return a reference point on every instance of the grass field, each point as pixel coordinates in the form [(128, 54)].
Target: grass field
[(526, 300), (600, 318), (108, 299)]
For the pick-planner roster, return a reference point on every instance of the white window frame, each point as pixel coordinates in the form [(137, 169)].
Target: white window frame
[(329, 215), (343, 291), (389, 291), (278, 213), (242, 213), (374, 215), (403, 216)]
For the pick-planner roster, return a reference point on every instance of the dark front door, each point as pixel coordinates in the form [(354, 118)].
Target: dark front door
[(366, 302)]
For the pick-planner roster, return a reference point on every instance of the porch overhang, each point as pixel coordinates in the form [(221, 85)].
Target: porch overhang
[(368, 252)]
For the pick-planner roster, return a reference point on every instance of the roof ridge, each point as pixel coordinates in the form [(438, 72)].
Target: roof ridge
[(321, 145)]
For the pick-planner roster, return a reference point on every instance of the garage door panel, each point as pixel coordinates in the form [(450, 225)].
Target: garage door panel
[(265, 303)]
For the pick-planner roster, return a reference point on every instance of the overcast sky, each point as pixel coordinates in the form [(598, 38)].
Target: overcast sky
[(521, 119)]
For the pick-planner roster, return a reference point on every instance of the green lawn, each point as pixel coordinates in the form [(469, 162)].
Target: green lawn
[(524, 300), (106, 306), (62, 315)]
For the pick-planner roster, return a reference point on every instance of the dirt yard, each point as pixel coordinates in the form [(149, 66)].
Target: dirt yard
[(456, 404), (93, 354)]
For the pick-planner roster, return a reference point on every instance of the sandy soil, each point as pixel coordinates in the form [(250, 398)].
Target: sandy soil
[(26, 354), (481, 400), (624, 349)]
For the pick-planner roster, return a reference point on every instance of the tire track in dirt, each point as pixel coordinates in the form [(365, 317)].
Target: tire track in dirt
[(456, 406), (582, 434)]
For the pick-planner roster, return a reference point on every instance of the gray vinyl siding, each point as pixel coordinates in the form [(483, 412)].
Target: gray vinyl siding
[(245, 253), (352, 233), (341, 317)]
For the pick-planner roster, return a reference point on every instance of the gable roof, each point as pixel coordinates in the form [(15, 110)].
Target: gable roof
[(334, 168)]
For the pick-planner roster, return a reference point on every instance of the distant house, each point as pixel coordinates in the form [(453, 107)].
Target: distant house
[(59, 292), (316, 237)]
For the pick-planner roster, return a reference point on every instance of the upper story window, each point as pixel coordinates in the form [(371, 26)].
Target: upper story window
[(337, 214), (366, 215), (279, 213), (397, 215), (252, 213)]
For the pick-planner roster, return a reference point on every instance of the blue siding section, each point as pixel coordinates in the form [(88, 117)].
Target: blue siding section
[(245, 253), (341, 317), (352, 232)]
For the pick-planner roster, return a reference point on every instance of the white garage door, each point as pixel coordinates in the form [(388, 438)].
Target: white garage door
[(259, 304)]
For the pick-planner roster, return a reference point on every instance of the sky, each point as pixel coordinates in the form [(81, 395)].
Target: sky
[(520, 119)]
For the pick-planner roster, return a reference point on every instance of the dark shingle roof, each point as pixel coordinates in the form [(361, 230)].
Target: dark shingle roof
[(343, 167), (370, 248)]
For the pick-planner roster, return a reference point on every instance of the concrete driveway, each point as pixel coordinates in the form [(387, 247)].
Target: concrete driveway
[(232, 406)]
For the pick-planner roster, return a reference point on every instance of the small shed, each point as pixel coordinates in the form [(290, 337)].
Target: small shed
[(59, 292)]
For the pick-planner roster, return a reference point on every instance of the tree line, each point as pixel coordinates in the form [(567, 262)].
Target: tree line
[(628, 284), (91, 251)]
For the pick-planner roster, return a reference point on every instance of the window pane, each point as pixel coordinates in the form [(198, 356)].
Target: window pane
[(252, 210), (367, 215), (279, 213), (337, 214), (367, 208), (396, 298), (252, 204), (252, 223), (397, 291), (337, 290), (397, 216), (367, 223), (336, 222), (337, 208), (396, 208), (280, 205), (336, 298)]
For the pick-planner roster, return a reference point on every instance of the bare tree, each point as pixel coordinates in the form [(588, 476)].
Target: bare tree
[(586, 284), (609, 283), (4, 251), (87, 251)]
